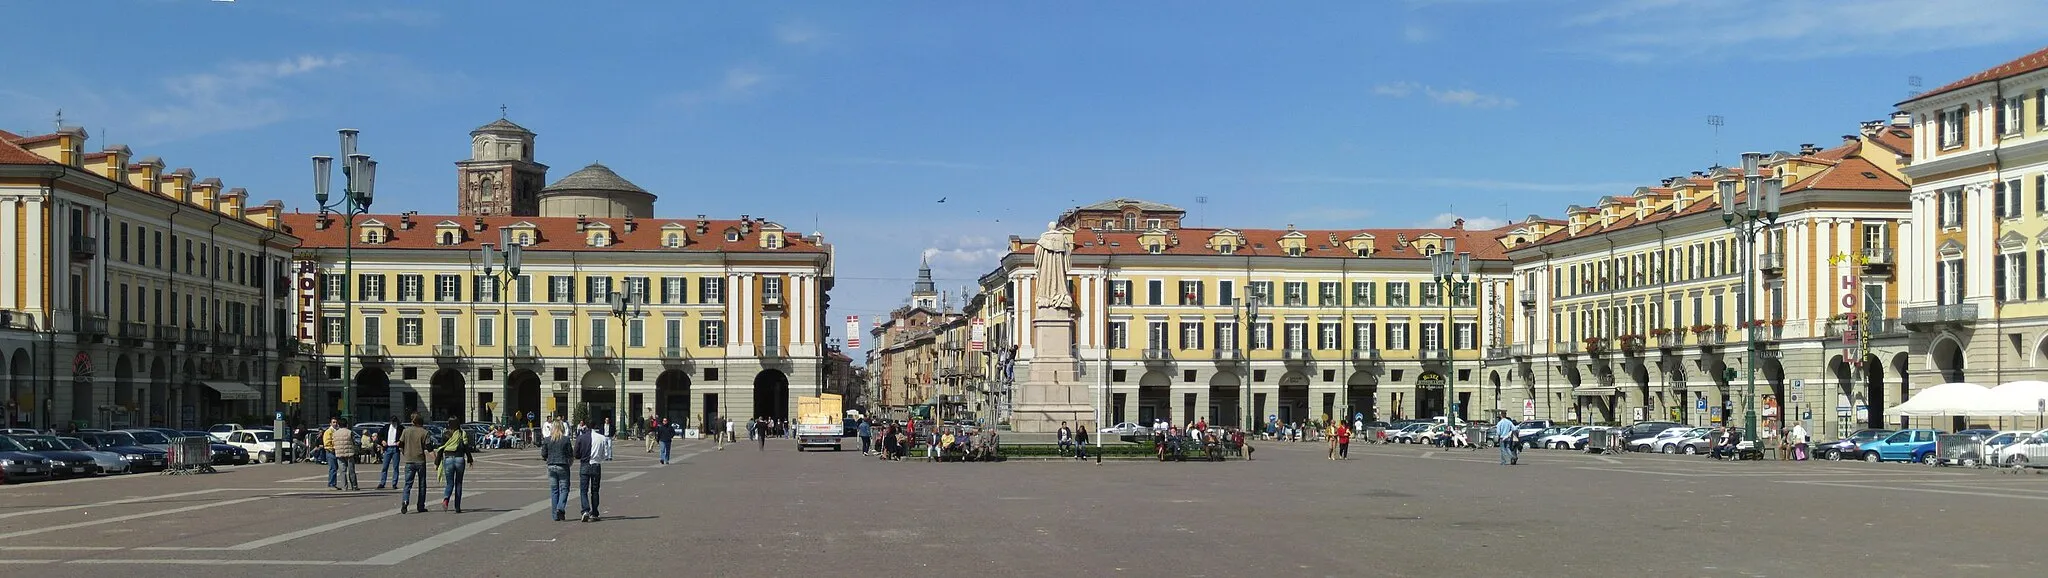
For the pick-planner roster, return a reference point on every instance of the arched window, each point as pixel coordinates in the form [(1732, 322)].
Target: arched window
[(447, 237)]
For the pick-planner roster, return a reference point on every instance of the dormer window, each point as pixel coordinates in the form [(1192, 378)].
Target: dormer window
[(1364, 252), (1155, 248), (1152, 223), (771, 241), (525, 239), (449, 238), (1226, 248), (1109, 224), (373, 236), (1294, 251), (599, 238), (732, 234), (373, 232), (672, 240)]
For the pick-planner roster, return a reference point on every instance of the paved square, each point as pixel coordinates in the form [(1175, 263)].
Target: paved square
[(1390, 511)]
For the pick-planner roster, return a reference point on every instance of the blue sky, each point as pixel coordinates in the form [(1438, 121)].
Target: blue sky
[(854, 118)]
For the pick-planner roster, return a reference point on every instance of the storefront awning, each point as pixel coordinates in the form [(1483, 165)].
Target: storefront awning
[(231, 391), (1593, 391)]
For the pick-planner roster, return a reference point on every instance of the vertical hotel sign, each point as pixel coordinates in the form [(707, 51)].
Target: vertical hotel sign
[(853, 332), (308, 284)]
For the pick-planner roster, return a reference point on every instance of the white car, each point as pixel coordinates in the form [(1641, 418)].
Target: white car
[(109, 462), (1409, 434), (1125, 429), (1571, 437), (1685, 443), (1669, 435), (258, 442), (2025, 450)]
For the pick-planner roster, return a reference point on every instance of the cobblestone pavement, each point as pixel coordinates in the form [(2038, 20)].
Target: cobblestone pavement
[(1390, 511)]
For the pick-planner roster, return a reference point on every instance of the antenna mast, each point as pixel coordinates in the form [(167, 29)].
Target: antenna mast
[(1201, 210), (1716, 121)]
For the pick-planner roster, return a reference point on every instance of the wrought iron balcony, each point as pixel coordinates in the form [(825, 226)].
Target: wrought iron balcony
[(1878, 258), (1526, 296), (448, 351), (1297, 354), (1497, 353), (1952, 314), (134, 330), (598, 352), (675, 354), (84, 247), (1365, 355), (1773, 263), (771, 351), (372, 351), (1229, 354), (1158, 355), (165, 336), (92, 326), (1435, 354), (523, 352)]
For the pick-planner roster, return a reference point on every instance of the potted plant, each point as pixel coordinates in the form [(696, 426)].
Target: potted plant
[(1594, 344), (1701, 329)]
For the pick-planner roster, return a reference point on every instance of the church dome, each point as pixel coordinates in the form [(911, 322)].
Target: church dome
[(595, 191), (501, 125)]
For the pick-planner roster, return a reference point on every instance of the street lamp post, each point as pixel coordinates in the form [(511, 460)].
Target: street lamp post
[(510, 251), (1758, 213), (1451, 270), (626, 305), (1250, 306), (359, 185)]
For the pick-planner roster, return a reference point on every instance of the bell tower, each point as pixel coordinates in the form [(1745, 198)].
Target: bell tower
[(500, 177)]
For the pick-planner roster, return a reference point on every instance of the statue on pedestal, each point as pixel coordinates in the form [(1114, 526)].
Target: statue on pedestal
[(1051, 262)]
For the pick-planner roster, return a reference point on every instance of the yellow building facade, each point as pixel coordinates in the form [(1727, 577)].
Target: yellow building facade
[(1980, 214), (1348, 322), (135, 295), (1635, 306)]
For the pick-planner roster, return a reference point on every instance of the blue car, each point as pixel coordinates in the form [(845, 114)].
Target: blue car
[(1912, 445)]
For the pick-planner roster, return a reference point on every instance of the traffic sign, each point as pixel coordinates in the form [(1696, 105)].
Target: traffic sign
[(977, 335), (1528, 408), (1700, 404)]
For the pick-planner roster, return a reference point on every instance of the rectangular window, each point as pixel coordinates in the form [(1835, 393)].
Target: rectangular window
[(332, 287), (1461, 295), (372, 287), (1262, 292), (1226, 292), (1467, 336), (486, 288), (409, 329), (1191, 293), (1329, 336), (673, 289), (711, 290), (675, 333), (524, 327), (1951, 122), (524, 289), (1361, 294), (771, 290), (1153, 290), (1952, 208), (1262, 335), (1364, 336), (2007, 199), (1432, 336), (1327, 295), (124, 243), (561, 289), (332, 330), (1119, 335), (1155, 335), (561, 332), (1874, 236), (1226, 335), (636, 333), (1119, 292), (1397, 336), (711, 333), (1397, 293), (1191, 335), (447, 288), (448, 334), (597, 289), (1297, 335), (1432, 295), (2009, 115), (1297, 293), (486, 331), (409, 287), (599, 336)]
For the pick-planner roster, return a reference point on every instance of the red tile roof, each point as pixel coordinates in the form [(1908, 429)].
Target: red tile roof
[(1480, 243), (1852, 174), (1898, 139), (2036, 60), (555, 234), (14, 154)]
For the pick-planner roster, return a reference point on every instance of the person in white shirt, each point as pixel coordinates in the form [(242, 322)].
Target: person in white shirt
[(547, 428), (391, 464), (1799, 440), (593, 449)]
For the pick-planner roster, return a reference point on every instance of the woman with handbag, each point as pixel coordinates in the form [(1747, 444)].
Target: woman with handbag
[(454, 455)]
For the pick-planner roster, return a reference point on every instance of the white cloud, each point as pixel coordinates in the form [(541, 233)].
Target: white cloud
[(965, 256), (1417, 33), (1464, 184), (737, 83), (1464, 97), (1650, 30), (1445, 220)]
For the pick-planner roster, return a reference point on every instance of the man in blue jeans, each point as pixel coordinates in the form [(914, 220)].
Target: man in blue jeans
[(414, 446), (392, 467), (1504, 431), (593, 449), (557, 452), (664, 434)]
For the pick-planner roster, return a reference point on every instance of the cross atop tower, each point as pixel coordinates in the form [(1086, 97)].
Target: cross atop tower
[(501, 111)]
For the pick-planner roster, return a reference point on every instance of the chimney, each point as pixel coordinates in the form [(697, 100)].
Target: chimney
[(582, 222), (322, 222), (231, 201), (1849, 139), (1807, 149), (479, 226), (265, 214), (405, 221), (1902, 119), (629, 224)]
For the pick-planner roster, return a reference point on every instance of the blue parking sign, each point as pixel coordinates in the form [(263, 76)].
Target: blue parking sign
[(1700, 404)]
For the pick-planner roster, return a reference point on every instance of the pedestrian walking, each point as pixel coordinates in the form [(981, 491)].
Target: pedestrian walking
[(413, 443), (391, 465), (593, 448), (1343, 441), (761, 432), (1504, 430), (664, 435), (719, 433), (340, 443), (867, 435), (557, 452), (455, 453), (1799, 439), (652, 425), (547, 428)]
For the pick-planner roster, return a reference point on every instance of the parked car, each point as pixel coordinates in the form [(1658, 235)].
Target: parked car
[(18, 465), (1913, 445), (1850, 446), (63, 462), (1564, 438), (219, 431), (258, 442), (109, 462), (1532, 427), (2026, 451), (1125, 429), (140, 459), (1645, 429), (1413, 433), (1652, 443), (1698, 440)]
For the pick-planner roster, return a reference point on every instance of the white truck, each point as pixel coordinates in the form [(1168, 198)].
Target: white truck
[(818, 423)]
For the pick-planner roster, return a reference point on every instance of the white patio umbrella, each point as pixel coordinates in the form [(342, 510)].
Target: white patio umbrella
[(1949, 399), (2023, 397)]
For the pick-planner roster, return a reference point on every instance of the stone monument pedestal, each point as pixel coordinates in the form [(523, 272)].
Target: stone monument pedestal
[(1052, 392)]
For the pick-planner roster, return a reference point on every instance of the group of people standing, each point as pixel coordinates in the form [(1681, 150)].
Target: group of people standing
[(407, 449)]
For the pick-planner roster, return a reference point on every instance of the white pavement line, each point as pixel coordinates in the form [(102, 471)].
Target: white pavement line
[(128, 517), (627, 476), (107, 503), (229, 562), (408, 551), (71, 548), (28, 561), (1927, 490)]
